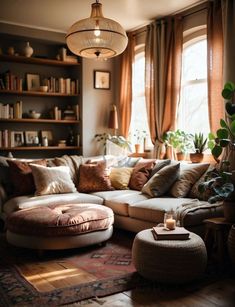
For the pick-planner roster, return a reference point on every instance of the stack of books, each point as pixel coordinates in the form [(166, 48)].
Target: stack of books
[(161, 233)]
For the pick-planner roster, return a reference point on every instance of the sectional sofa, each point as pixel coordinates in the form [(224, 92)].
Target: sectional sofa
[(134, 210)]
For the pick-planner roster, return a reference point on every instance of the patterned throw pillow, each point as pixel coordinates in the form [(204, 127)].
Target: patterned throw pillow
[(189, 174), (141, 174), (120, 177), (21, 176), (93, 178), (161, 182), (52, 180)]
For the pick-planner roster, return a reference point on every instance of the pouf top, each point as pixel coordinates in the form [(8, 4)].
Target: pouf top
[(56, 220)]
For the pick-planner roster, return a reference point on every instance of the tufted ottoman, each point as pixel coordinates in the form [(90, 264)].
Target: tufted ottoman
[(169, 261), (60, 226)]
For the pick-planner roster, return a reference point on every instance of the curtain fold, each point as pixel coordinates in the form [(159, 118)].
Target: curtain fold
[(163, 56), (215, 64), (127, 59)]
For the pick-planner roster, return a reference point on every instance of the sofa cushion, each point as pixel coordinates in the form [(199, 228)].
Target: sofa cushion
[(60, 220), (160, 183), (93, 178), (23, 202), (140, 174), (120, 177), (159, 165), (52, 180), (153, 209), (119, 200), (21, 176)]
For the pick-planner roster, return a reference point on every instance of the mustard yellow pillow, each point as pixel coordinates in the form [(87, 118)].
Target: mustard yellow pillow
[(120, 177)]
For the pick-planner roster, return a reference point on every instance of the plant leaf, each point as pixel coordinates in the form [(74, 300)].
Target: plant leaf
[(222, 133), (223, 124), (216, 151), (211, 136), (232, 125)]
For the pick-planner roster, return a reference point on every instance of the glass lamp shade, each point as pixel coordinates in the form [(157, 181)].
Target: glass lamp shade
[(96, 37)]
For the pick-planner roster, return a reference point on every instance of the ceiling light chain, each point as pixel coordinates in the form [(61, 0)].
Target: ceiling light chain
[(97, 36)]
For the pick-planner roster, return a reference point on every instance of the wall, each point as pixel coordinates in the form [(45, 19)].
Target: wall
[(96, 105)]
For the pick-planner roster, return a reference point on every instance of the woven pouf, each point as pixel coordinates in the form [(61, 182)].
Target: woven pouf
[(169, 261)]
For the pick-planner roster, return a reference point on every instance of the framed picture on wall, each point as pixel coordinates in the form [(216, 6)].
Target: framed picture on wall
[(17, 138), (31, 137), (102, 80)]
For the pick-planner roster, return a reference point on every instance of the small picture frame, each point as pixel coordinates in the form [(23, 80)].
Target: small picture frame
[(17, 138), (33, 82), (102, 80), (31, 137), (48, 134)]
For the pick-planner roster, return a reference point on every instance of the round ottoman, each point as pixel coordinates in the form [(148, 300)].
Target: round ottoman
[(169, 261), (60, 226)]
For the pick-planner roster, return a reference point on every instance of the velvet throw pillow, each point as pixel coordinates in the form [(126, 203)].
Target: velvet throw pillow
[(141, 174), (159, 164), (120, 177), (93, 178), (161, 182), (21, 176), (189, 174), (52, 180)]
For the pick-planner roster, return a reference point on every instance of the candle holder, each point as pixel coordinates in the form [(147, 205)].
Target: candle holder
[(169, 220)]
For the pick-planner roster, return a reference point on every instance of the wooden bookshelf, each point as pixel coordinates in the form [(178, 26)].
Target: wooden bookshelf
[(21, 148), (39, 121), (32, 93)]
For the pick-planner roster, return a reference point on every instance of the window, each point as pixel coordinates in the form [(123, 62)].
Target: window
[(193, 109), (139, 124)]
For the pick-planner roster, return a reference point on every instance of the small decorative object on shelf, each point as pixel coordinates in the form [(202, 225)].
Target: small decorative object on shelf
[(11, 51), (45, 141), (28, 50), (71, 138)]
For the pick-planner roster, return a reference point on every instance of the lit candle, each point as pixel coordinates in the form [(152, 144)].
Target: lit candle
[(170, 223)]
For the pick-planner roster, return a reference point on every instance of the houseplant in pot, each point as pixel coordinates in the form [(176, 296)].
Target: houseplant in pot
[(180, 141), (139, 136), (199, 146)]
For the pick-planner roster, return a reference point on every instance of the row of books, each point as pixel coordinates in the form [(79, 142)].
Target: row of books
[(9, 81), (162, 233), (71, 113), (11, 139), (10, 111), (62, 85)]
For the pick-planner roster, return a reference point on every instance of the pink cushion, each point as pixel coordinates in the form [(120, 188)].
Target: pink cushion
[(56, 220)]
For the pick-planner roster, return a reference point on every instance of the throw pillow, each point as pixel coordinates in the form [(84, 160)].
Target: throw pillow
[(21, 176), (194, 193), (189, 174), (92, 178), (160, 183), (120, 177), (52, 180), (159, 164), (141, 174)]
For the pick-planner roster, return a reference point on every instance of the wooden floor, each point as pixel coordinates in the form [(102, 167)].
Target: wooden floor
[(220, 293)]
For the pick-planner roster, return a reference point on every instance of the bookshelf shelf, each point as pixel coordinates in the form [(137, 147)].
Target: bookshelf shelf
[(32, 93), (21, 148), (39, 121)]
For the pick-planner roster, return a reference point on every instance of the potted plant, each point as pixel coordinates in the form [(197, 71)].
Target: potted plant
[(199, 144), (223, 143), (180, 141), (139, 137), (220, 183), (118, 140)]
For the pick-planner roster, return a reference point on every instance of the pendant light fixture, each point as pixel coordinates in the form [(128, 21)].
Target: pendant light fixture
[(97, 36)]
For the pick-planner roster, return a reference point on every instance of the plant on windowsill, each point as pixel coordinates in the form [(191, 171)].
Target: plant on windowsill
[(180, 141), (199, 146), (223, 143), (139, 137)]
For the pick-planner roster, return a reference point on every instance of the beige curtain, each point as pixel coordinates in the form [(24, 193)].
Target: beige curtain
[(127, 59), (163, 54), (215, 64)]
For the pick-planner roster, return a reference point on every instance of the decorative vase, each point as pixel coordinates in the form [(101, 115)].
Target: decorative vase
[(196, 157), (28, 50), (229, 211), (137, 148), (231, 245)]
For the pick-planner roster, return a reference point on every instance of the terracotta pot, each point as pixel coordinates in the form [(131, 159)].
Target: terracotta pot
[(137, 148), (180, 156), (231, 245), (229, 211), (196, 157)]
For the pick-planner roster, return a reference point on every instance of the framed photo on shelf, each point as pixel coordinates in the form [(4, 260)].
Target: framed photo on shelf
[(48, 134), (33, 82), (17, 138), (102, 80), (31, 137)]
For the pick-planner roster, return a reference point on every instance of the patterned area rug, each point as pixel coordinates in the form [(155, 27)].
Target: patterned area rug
[(62, 277)]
